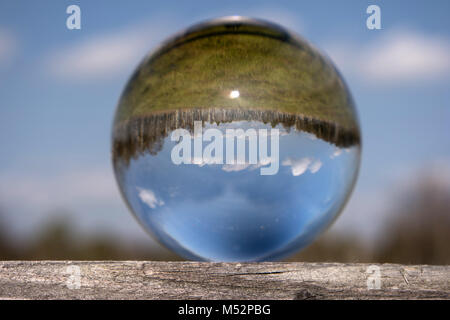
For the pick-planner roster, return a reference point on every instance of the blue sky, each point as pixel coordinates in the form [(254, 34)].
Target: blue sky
[(59, 89)]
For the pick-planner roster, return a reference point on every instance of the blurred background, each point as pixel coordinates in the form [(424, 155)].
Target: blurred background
[(59, 89)]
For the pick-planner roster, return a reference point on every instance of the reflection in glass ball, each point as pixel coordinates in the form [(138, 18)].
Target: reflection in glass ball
[(236, 141)]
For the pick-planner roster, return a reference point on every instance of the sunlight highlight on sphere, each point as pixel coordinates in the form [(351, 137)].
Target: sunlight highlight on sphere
[(236, 141), (234, 94)]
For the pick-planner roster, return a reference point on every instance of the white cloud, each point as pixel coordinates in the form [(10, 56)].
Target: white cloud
[(299, 166), (200, 161), (88, 187), (239, 167), (105, 55), (88, 197), (315, 166), (148, 197), (436, 172), (235, 167), (395, 57), (337, 152), (405, 55), (8, 45)]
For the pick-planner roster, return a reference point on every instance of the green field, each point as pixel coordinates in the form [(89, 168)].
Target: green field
[(271, 71)]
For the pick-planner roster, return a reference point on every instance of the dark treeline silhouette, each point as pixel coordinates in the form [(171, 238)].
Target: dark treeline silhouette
[(58, 241), (146, 134), (420, 231), (417, 233)]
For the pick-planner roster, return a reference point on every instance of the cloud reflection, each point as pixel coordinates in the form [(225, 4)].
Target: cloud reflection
[(299, 166), (148, 197)]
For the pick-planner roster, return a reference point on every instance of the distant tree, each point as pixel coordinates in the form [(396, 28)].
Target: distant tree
[(419, 232)]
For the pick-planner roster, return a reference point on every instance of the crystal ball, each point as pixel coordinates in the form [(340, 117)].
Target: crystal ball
[(235, 140)]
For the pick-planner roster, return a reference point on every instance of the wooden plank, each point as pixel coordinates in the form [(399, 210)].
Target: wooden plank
[(203, 280)]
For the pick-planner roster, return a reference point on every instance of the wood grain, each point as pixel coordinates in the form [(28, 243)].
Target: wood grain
[(203, 280)]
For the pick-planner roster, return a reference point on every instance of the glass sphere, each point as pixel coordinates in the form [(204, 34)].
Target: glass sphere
[(236, 140)]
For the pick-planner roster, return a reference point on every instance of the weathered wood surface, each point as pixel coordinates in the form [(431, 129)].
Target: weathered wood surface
[(200, 280)]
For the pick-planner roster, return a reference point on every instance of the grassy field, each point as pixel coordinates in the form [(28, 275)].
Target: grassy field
[(271, 71)]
